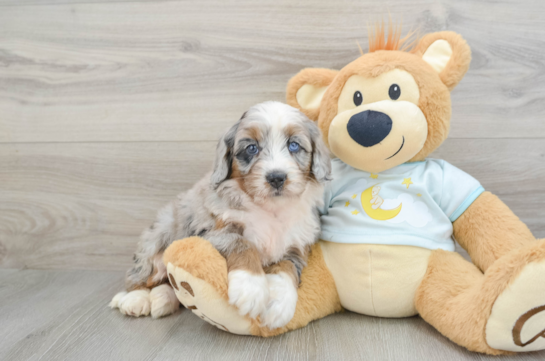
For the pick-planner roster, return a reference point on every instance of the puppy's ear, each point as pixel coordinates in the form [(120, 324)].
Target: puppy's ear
[(224, 156), (306, 90), (321, 159), (448, 54)]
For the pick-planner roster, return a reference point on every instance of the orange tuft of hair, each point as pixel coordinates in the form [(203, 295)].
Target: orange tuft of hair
[(379, 41)]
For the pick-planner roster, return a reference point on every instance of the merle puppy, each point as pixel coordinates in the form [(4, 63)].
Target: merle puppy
[(258, 207)]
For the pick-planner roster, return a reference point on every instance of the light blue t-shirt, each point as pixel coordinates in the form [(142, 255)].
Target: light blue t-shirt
[(413, 204)]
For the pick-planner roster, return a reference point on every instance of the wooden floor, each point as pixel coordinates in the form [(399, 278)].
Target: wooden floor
[(109, 108), (59, 315)]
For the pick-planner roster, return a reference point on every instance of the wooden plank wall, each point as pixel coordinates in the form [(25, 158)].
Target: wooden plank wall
[(109, 108)]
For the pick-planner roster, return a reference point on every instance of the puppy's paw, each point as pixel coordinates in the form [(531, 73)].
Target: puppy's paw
[(163, 301), (282, 301), (248, 292), (115, 302), (135, 303)]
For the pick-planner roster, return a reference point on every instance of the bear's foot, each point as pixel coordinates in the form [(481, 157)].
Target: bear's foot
[(198, 275), (517, 320)]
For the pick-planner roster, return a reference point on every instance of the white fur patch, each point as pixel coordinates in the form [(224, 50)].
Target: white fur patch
[(248, 292), (163, 301), (135, 303), (282, 301), (114, 303)]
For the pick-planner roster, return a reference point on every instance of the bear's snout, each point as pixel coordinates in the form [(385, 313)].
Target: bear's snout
[(369, 127)]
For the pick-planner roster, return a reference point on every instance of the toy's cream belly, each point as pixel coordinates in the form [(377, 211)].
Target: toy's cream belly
[(376, 280)]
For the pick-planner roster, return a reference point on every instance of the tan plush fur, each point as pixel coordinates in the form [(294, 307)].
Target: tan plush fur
[(455, 296), (457, 299), (316, 77), (317, 296), (488, 230), (317, 292), (461, 56), (198, 257), (434, 94)]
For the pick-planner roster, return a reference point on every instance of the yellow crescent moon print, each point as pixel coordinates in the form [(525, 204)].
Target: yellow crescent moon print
[(378, 214)]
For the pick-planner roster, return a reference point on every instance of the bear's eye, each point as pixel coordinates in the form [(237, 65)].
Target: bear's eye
[(394, 92), (358, 98)]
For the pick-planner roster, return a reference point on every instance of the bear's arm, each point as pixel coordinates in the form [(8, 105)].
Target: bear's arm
[(488, 229)]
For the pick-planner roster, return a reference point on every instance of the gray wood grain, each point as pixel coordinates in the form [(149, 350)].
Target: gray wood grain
[(59, 315), (178, 70), (83, 205), (109, 108)]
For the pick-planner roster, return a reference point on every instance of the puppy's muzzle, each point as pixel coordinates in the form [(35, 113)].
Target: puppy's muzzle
[(276, 179), (369, 127)]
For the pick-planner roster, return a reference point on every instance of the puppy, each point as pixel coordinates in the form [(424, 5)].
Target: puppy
[(258, 207)]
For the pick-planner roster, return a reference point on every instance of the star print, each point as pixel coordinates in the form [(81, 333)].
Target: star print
[(374, 176), (354, 212), (407, 181), (347, 204), (418, 195), (354, 196)]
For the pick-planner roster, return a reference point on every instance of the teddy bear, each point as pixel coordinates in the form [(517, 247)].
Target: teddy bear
[(392, 255)]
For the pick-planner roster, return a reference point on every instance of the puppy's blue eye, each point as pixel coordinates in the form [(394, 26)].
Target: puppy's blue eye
[(294, 147), (252, 149)]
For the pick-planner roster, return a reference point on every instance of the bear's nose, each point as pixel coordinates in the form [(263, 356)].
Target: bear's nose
[(369, 127)]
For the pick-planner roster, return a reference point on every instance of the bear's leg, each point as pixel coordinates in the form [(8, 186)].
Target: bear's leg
[(489, 230), (198, 274), (496, 312)]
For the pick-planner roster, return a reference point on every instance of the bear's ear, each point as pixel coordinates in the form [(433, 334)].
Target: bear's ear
[(448, 54), (306, 90)]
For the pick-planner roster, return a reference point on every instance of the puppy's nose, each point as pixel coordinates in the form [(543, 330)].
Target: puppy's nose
[(369, 127), (276, 179)]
